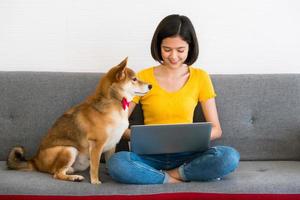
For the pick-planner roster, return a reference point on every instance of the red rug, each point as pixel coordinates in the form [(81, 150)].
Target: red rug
[(168, 196)]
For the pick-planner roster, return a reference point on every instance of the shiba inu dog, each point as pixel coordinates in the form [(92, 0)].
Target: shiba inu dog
[(79, 137)]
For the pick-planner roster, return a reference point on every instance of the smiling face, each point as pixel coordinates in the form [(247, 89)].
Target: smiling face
[(174, 51)]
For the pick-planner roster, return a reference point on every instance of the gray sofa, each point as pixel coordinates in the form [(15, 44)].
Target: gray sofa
[(260, 117)]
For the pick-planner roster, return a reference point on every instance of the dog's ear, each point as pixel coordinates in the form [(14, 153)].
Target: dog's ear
[(121, 70), (123, 64)]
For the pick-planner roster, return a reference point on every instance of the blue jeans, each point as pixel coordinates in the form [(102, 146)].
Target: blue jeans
[(216, 162)]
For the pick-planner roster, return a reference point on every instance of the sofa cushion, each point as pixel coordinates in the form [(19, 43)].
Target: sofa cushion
[(165, 196), (251, 177), (260, 114)]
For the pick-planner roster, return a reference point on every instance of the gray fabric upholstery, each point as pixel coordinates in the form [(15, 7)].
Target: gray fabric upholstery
[(260, 117), (30, 102), (250, 177)]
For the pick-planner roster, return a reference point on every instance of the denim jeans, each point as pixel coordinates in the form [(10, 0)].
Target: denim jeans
[(216, 162)]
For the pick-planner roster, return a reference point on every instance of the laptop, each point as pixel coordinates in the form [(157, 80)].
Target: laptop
[(170, 138)]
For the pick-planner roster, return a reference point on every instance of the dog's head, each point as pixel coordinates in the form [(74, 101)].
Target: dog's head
[(121, 81)]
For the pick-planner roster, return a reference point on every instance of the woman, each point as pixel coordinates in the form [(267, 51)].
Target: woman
[(177, 88)]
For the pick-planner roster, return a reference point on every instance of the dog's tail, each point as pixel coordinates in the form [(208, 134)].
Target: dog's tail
[(16, 160)]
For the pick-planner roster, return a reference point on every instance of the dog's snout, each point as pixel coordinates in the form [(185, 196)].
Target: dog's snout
[(149, 86)]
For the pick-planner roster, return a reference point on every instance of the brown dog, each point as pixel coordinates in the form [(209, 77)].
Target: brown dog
[(78, 138)]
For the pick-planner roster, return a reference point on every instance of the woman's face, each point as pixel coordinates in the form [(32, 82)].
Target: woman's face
[(174, 51)]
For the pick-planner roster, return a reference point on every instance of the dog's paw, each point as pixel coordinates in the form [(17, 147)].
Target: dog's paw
[(77, 178), (97, 182)]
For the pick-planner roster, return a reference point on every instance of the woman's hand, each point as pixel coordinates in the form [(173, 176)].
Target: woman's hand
[(126, 134)]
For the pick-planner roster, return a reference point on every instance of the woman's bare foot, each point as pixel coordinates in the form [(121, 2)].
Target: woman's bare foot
[(174, 173), (174, 176), (173, 180)]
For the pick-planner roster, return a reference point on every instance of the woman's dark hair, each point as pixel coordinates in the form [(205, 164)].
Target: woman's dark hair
[(171, 26)]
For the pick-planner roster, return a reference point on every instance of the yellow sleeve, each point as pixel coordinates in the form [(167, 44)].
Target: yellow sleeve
[(207, 89), (136, 99)]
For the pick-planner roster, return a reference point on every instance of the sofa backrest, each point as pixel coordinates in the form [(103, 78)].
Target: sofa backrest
[(259, 114)]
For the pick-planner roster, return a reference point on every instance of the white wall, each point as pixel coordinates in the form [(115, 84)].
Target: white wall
[(236, 36)]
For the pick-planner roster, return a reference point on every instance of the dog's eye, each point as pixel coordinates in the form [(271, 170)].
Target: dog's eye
[(134, 79)]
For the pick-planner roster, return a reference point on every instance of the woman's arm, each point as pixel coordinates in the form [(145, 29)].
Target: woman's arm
[(210, 112), (127, 132)]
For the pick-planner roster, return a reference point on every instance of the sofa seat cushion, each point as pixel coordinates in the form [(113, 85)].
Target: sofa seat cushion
[(252, 177), (165, 196)]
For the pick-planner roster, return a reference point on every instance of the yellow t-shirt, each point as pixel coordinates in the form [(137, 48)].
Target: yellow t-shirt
[(163, 107)]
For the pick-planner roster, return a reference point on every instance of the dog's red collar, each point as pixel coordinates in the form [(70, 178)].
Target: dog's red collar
[(125, 103)]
